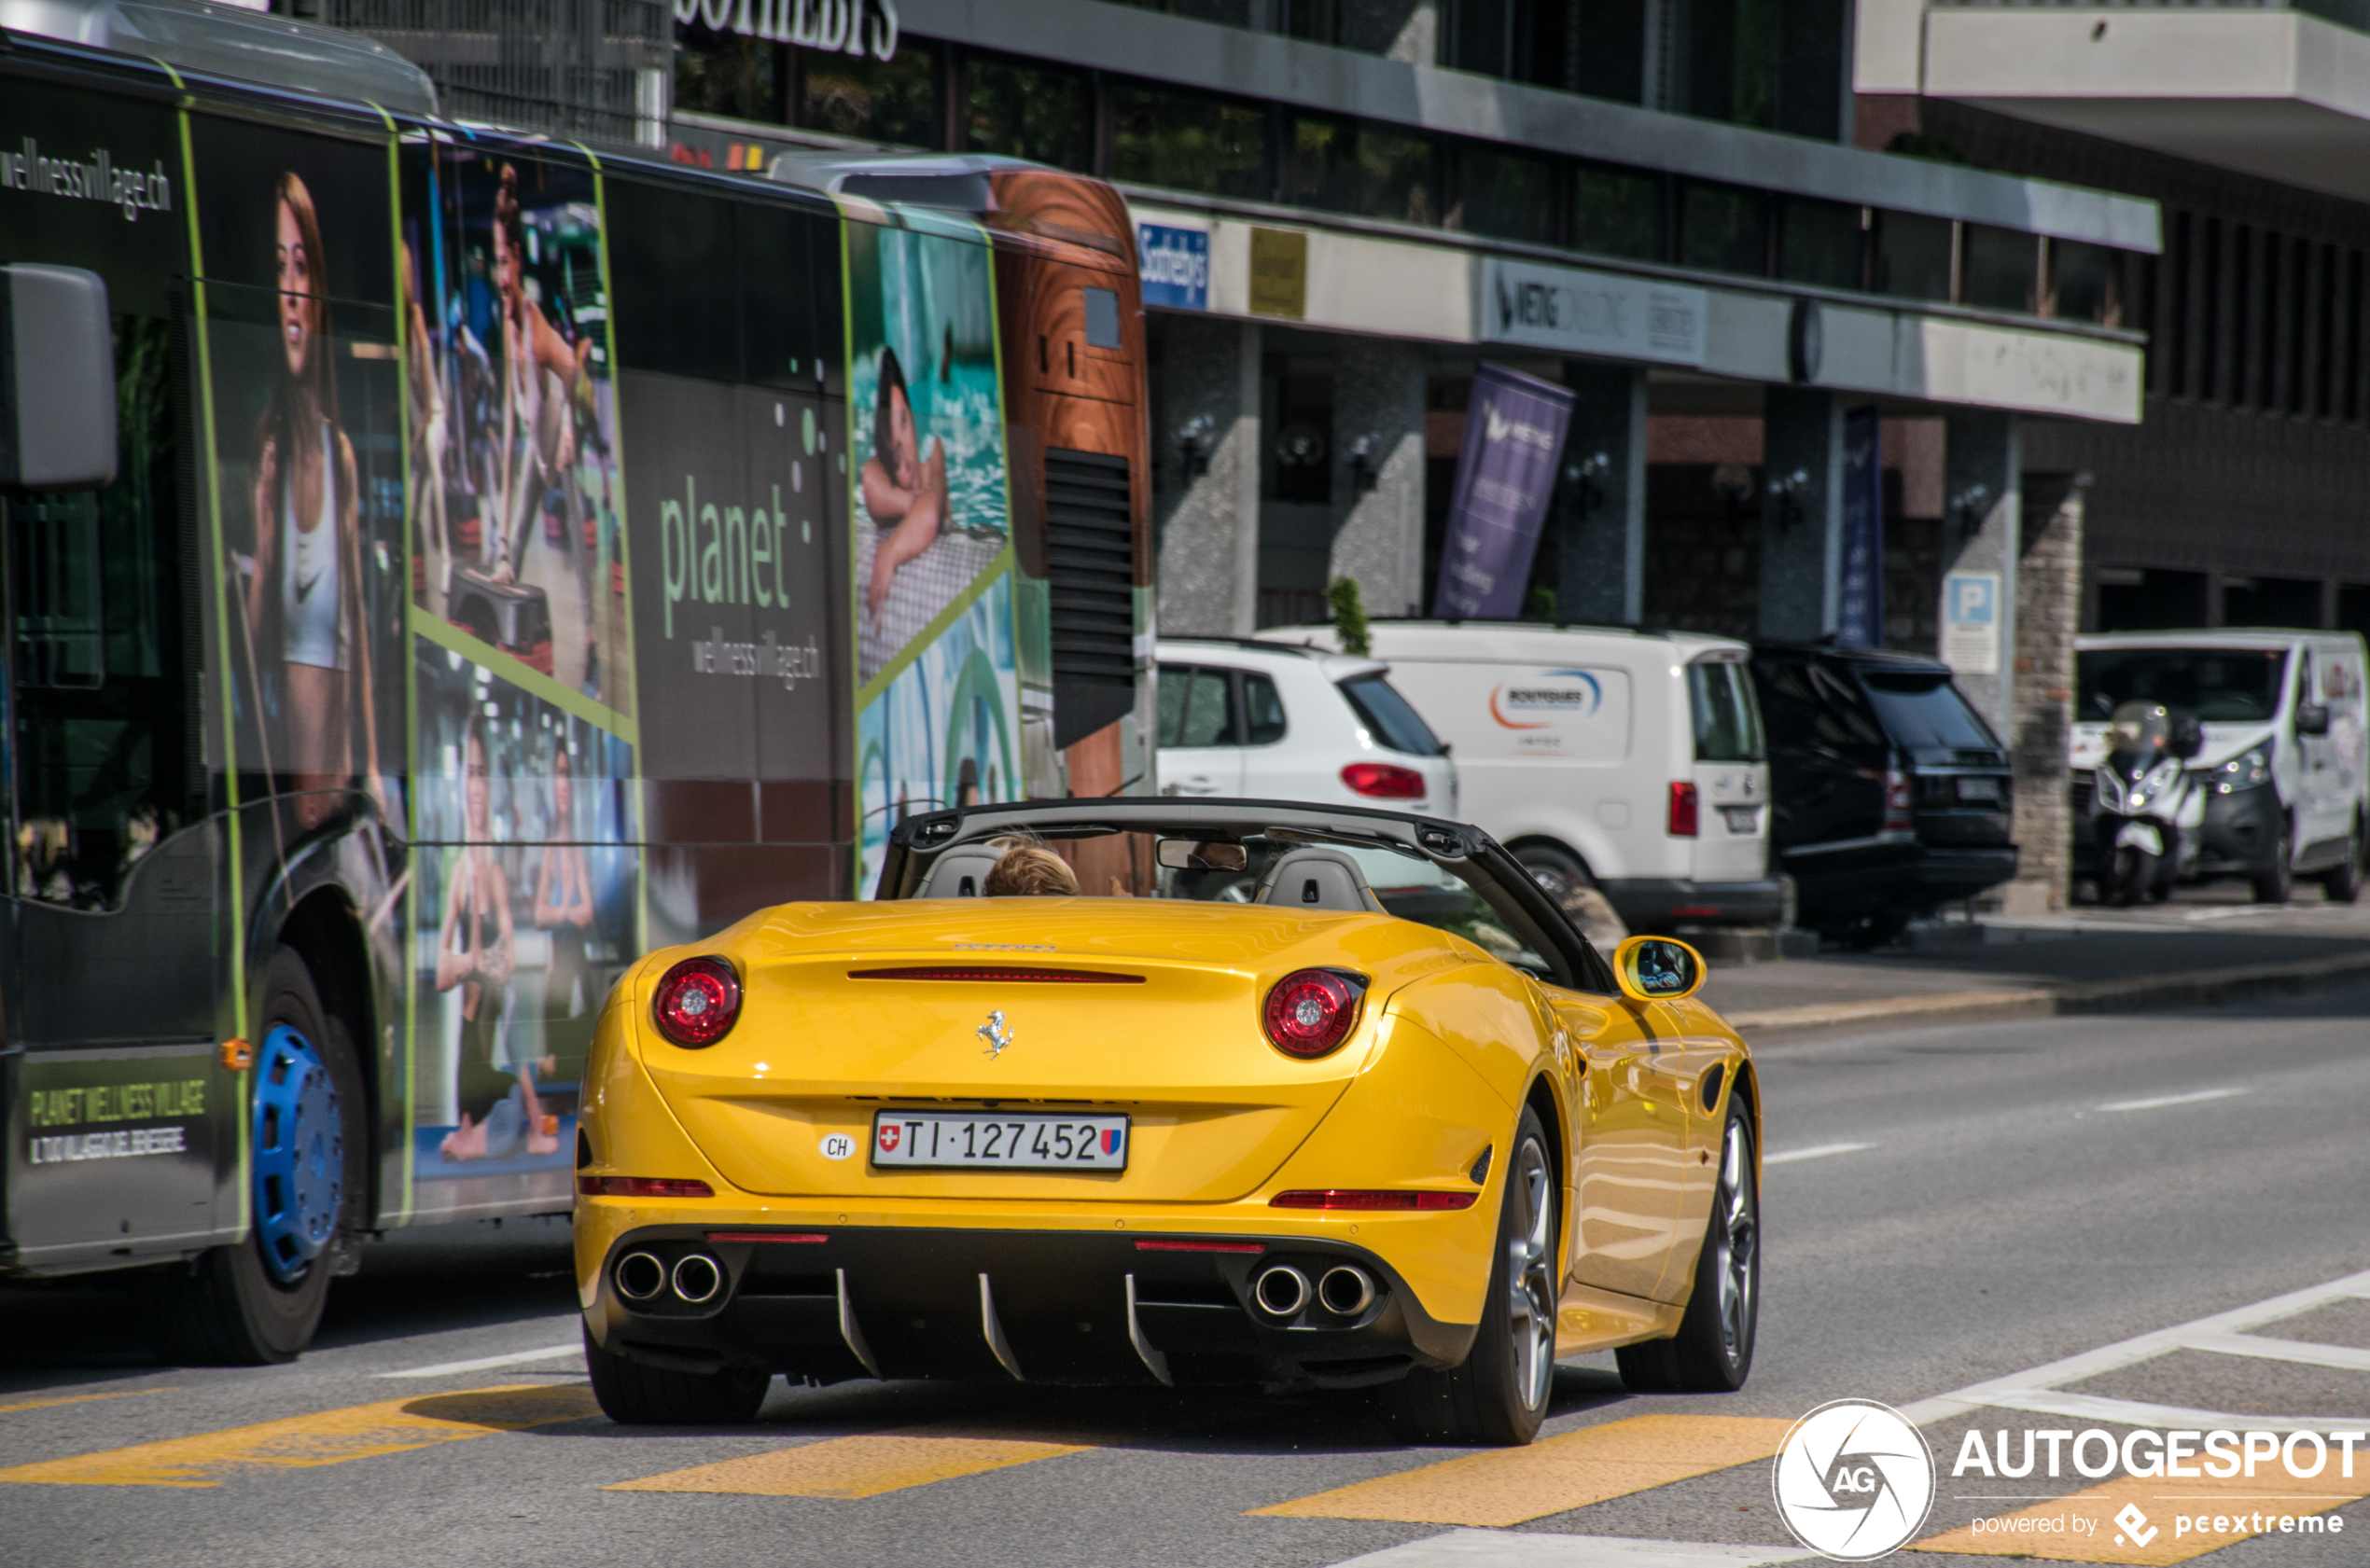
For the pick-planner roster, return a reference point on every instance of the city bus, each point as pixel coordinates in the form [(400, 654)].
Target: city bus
[(518, 557)]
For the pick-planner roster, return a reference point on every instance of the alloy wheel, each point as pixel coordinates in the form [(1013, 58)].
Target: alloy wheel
[(1736, 1236), (1530, 1283)]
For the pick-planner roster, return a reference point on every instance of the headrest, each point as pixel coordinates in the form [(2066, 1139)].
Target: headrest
[(1317, 878), (960, 872)]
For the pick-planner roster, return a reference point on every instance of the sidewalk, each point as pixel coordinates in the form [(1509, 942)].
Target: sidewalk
[(2203, 949)]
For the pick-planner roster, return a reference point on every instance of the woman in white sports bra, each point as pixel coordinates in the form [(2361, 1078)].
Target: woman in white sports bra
[(305, 601)]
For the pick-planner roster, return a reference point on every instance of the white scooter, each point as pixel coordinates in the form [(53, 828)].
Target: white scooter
[(2147, 813)]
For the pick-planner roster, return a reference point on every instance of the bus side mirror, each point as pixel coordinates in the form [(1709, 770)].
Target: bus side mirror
[(57, 380), (2312, 719)]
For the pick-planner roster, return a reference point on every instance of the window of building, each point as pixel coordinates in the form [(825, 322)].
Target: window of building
[(875, 100), (1617, 212), (2348, 350), (1913, 255), (1318, 22), (1358, 167), (728, 74), (1724, 229), (1036, 112), (1189, 141), (1822, 242), (1730, 55), (1997, 271), (1611, 54), (1505, 194), (2085, 281)]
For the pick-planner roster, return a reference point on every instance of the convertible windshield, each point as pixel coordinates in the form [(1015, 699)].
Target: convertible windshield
[(2227, 685), (1233, 853)]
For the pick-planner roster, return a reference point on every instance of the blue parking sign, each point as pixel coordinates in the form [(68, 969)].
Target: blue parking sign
[(1973, 598)]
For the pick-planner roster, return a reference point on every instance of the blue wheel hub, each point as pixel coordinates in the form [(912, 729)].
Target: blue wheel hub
[(300, 1154)]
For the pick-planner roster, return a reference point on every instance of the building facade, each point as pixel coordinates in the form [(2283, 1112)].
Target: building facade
[(2237, 500), (1344, 207)]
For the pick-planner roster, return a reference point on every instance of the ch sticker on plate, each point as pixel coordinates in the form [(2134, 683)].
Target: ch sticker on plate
[(837, 1145)]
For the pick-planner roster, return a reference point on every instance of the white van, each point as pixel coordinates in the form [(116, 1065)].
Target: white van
[(2285, 762), (1629, 759)]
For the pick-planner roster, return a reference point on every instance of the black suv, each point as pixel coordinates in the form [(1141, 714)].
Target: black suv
[(1889, 795)]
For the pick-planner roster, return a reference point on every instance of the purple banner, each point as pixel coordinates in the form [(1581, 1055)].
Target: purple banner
[(1860, 621), (1505, 475)]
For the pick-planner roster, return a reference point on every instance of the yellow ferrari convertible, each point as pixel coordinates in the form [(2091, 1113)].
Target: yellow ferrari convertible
[(1339, 1099)]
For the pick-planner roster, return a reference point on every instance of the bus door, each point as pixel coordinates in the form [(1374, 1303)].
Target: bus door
[(121, 1116)]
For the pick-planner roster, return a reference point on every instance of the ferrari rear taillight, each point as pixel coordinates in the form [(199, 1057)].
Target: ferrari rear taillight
[(696, 1002), (643, 1187), (1384, 781), (1312, 1011), (1683, 815)]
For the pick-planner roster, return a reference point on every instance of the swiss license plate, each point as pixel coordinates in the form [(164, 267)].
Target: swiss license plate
[(1978, 789), (1012, 1141)]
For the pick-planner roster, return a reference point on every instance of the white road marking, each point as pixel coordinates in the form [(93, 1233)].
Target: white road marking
[(2140, 1412), (1821, 1152), (479, 1364), (2195, 1096), (2206, 1332), (2298, 1350), (1526, 1548)]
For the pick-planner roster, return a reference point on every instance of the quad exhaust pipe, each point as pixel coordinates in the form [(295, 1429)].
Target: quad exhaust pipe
[(696, 1277), (640, 1276), (1281, 1291), (1345, 1291)]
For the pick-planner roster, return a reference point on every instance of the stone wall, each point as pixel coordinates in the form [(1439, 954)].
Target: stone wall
[(2048, 614)]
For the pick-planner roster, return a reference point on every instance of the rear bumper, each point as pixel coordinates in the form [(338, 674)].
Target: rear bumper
[(918, 1303), (1662, 903)]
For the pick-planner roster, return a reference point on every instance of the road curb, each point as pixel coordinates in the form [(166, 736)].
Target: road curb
[(2196, 988)]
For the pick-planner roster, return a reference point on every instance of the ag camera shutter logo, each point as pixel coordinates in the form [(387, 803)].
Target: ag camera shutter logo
[(1854, 1480)]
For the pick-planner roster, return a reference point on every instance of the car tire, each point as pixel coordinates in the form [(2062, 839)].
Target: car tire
[(2273, 884), (1499, 1395), (2343, 881), (1712, 1353), (634, 1395), (228, 1307)]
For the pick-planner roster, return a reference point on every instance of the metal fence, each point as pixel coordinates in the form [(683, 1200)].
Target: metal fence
[(597, 70)]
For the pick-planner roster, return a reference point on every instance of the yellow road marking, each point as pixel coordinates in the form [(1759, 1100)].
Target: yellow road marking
[(79, 1399), (865, 1465), (2080, 1526), (330, 1437), (1510, 1486)]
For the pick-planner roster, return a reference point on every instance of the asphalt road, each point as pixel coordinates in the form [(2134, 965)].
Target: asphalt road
[(1944, 1208)]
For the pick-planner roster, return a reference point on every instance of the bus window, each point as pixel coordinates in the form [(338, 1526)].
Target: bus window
[(105, 723)]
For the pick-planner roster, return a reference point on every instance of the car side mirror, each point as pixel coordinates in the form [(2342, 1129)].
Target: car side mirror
[(2312, 719), (57, 380), (1657, 969)]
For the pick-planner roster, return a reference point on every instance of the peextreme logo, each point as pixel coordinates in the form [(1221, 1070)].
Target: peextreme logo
[(1853, 1481)]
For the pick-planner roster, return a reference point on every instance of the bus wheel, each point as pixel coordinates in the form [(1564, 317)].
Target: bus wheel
[(259, 1300)]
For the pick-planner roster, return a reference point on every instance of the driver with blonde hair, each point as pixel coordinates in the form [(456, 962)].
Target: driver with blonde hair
[(1030, 870)]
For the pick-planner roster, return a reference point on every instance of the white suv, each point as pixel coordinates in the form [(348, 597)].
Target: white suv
[(1262, 722)]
